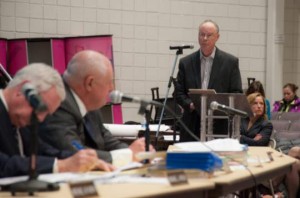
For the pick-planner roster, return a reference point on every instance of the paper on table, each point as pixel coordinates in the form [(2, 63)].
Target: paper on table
[(134, 179), (213, 145), (10, 180), (131, 130), (71, 177)]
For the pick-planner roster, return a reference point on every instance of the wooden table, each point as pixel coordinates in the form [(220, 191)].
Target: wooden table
[(221, 183), (242, 179)]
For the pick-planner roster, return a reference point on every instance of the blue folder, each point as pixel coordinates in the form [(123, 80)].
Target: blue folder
[(206, 161)]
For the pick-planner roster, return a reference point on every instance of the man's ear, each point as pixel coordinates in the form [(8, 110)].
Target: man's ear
[(88, 83)]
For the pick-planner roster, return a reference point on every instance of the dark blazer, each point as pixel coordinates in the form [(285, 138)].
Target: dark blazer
[(260, 126), (66, 125), (11, 163), (225, 77)]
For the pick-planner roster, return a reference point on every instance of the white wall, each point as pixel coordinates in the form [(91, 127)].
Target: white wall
[(143, 30), (291, 65)]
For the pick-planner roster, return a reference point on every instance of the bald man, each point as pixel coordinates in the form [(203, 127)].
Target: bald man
[(207, 68), (88, 82)]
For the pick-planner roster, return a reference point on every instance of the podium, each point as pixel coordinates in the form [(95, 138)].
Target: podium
[(202, 100)]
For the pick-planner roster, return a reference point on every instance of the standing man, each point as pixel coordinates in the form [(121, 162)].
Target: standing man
[(207, 68), (88, 81), (15, 115)]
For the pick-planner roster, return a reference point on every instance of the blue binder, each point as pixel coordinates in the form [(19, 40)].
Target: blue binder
[(206, 161)]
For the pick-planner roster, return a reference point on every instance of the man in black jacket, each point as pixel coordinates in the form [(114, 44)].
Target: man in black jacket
[(207, 68)]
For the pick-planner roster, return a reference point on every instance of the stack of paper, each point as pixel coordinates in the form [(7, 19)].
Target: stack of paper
[(231, 149)]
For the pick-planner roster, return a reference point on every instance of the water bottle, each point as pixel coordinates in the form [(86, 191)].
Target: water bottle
[(143, 123)]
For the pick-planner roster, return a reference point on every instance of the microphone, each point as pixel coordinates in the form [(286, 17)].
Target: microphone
[(228, 110), (117, 97), (181, 47), (33, 97)]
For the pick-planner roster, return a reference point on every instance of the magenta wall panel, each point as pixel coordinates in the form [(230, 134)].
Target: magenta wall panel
[(101, 44), (16, 55), (117, 114), (3, 43), (58, 54)]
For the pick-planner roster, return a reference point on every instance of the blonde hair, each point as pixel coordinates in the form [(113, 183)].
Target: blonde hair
[(251, 99)]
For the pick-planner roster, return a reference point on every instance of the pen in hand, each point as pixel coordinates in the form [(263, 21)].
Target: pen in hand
[(77, 145)]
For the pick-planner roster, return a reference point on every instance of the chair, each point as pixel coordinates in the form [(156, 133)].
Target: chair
[(275, 115), (295, 126), (292, 116), (168, 118), (155, 97), (272, 143), (281, 125)]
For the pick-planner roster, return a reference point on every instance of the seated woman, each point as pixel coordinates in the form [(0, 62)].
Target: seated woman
[(256, 130), (290, 101), (255, 87)]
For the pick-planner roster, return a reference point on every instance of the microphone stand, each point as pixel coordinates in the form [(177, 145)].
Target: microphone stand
[(32, 184), (230, 124), (144, 111), (178, 52), (175, 107)]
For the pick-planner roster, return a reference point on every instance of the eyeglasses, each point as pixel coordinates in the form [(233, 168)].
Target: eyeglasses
[(208, 36)]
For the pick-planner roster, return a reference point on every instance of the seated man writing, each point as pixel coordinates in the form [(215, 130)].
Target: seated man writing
[(15, 116), (88, 81)]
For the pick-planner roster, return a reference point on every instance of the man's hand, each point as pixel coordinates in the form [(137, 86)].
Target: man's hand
[(84, 160), (139, 146), (105, 166)]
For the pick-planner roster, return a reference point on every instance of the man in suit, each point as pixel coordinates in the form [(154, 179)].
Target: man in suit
[(207, 68), (16, 110), (88, 81)]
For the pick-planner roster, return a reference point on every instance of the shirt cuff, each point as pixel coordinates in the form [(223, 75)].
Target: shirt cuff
[(55, 166), (121, 157)]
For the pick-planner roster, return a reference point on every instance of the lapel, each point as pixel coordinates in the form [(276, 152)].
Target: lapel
[(81, 126), (216, 67), (196, 69), (257, 124), (89, 128), (71, 106)]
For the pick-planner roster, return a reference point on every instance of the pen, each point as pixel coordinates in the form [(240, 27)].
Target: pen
[(77, 145)]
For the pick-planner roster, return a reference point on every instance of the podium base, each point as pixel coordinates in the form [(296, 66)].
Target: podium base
[(32, 185)]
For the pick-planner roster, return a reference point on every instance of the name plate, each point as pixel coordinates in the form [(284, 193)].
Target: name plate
[(83, 189), (177, 178)]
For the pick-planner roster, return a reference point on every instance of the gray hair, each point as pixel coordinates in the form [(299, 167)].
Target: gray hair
[(211, 21), (41, 76)]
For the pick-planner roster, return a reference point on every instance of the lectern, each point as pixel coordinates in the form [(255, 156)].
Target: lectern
[(202, 100)]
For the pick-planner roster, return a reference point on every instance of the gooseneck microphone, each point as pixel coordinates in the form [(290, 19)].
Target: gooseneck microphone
[(228, 110), (181, 47), (118, 97), (33, 97)]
